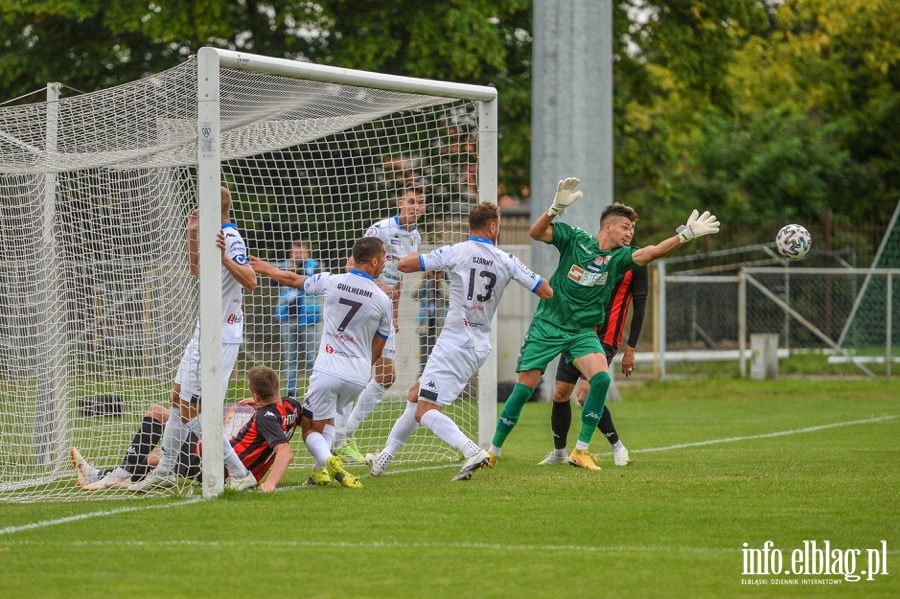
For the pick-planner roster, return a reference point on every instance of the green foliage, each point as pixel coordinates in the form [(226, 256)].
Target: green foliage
[(707, 92)]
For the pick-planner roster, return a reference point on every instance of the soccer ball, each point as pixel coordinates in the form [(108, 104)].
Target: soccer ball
[(793, 241)]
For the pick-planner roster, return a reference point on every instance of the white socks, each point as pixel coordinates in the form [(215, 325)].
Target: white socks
[(447, 431), (235, 467), (366, 403), (403, 429), (174, 436), (318, 447)]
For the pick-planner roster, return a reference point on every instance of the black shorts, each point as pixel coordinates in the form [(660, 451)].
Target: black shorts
[(566, 371)]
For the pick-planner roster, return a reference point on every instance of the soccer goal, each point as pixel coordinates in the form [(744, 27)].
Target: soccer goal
[(95, 191)]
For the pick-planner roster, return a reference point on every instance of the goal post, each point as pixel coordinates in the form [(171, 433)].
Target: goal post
[(106, 180)]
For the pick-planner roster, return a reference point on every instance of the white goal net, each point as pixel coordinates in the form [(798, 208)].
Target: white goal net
[(95, 192)]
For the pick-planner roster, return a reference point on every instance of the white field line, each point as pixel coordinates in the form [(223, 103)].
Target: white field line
[(45, 523), (809, 429)]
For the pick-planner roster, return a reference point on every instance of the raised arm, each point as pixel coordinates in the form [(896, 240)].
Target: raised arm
[(282, 277), (697, 225), (565, 197)]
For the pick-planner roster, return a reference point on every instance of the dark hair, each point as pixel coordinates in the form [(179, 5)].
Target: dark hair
[(617, 209), (483, 214), (263, 381), (413, 186), (367, 248)]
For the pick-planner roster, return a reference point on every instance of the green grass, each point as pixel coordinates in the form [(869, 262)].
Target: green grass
[(710, 473)]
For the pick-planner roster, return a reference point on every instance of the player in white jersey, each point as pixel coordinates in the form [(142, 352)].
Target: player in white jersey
[(357, 321), (400, 237), (184, 418), (478, 273)]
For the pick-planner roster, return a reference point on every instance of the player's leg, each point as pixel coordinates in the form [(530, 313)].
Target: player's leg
[(402, 430), (134, 465), (561, 412), (326, 396), (371, 396), (185, 393), (445, 376), (543, 342), (594, 368)]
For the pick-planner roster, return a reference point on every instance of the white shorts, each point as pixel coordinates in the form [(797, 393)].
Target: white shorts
[(447, 372), (390, 346), (189, 370), (328, 395)]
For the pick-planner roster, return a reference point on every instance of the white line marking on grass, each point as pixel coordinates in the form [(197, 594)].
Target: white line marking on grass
[(809, 429), (124, 510), (225, 544)]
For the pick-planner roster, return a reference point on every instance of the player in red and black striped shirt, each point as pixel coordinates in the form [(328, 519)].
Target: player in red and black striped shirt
[(263, 444), (632, 288)]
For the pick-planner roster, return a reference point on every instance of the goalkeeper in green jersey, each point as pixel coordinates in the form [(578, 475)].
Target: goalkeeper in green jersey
[(582, 282)]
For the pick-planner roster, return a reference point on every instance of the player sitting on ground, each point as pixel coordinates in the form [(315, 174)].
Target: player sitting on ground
[(262, 444)]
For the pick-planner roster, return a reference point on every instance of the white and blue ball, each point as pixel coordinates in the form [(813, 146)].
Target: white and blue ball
[(793, 241)]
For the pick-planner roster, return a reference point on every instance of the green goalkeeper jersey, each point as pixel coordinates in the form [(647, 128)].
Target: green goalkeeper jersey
[(583, 280)]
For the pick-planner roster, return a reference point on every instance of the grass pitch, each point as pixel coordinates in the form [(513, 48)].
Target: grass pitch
[(717, 464)]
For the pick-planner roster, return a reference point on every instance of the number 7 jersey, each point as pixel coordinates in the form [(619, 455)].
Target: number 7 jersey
[(478, 272), (355, 310)]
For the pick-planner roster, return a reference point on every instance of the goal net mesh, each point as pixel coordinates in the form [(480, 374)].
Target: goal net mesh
[(94, 196)]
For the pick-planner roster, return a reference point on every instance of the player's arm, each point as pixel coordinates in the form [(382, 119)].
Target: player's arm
[(410, 263), (565, 197), (544, 291), (282, 277), (283, 457), (240, 269), (192, 243), (640, 288), (395, 305), (697, 225), (378, 343)]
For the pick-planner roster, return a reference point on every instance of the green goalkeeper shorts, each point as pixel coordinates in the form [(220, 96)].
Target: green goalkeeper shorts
[(544, 341)]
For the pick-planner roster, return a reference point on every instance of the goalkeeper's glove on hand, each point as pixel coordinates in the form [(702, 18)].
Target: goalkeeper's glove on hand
[(698, 225), (564, 196)]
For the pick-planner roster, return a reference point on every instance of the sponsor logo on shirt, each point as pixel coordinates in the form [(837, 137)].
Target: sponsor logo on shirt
[(587, 279), (234, 318)]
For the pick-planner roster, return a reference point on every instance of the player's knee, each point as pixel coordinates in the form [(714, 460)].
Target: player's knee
[(600, 381), (562, 393)]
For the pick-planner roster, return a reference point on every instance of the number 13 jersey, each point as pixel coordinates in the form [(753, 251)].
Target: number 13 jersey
[(478, 272)]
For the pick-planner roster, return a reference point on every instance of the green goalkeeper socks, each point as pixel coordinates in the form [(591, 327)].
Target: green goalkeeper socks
[(512, 409), (593, 406)]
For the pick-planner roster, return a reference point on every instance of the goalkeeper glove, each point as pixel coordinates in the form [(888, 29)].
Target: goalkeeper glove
[(564, 196), (698, 225)]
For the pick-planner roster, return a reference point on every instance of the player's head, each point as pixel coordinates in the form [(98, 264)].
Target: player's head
[(225, 203), (369, 255), (411, 203), (263, 383), (617, 225), (484, 220)]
